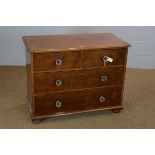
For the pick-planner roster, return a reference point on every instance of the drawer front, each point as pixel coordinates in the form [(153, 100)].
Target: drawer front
[(98, 58), (74, 101), (56, 60), (78, 79)]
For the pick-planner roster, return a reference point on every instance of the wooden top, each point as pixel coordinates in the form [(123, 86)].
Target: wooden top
[(73, 42)]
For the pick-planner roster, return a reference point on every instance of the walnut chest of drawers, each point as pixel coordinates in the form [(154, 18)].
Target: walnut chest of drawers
[(69, 74)]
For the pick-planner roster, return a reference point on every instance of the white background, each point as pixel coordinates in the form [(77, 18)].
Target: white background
[(78, 142), (68, 13)]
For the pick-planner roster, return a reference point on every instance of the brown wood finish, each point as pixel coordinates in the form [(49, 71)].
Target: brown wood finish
[(29, 82), (77, 100), (78, 42), (94, 58), (47, 61), (124, 75), (40, 118), (80, 72), (77, 79)]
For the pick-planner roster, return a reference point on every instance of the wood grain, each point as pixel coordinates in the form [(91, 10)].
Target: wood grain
[(77, 79), (43, 44), (77, 100), (80, 73), (29, 74), (47, 61), (94, 58)]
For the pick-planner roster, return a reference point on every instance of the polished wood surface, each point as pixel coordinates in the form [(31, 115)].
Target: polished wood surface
[(72, 42), (29, 82), (47, 61), (73, 101), (80, 72), (78, 79), (94, 58)]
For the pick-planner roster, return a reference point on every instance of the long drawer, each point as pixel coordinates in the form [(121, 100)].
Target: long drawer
[(74, 101), (77, 79)]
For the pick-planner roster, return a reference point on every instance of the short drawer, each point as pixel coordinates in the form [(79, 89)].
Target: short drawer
[(56, 60), (98, 58), (78, 79), (74, 101)]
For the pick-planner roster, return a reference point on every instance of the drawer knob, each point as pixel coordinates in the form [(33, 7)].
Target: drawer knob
[(104, 78), (58, 104), (102, 99), (58, 83), (107, 59), (58, 62)]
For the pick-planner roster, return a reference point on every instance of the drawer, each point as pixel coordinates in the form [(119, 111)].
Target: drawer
[(96, 58), (78, 79), (56, 60), (74, 101)]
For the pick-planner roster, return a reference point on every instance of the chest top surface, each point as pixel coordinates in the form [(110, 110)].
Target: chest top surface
[(73, 42)]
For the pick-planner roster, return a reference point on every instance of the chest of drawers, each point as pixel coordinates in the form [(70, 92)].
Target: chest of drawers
[(69, 74)]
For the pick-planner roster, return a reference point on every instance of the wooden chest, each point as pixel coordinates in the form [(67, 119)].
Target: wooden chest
[(69, 74)]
